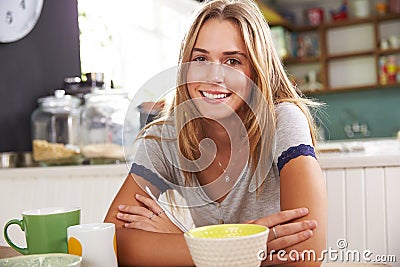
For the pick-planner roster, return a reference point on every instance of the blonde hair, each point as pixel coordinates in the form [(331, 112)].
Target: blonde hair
[(269, 76)]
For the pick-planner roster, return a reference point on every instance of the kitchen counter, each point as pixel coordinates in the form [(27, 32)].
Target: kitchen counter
[(88, 171), (362, 178), (354, 154), (363, 185)]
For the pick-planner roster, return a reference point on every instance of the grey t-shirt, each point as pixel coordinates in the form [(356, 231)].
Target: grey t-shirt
[(157, 162)]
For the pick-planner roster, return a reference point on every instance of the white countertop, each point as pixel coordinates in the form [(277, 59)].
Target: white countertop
[(360, 153), (66, 171), (350, 154)]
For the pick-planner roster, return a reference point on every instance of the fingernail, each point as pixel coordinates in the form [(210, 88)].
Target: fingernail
[(312, 223), (126, 225), (308, 233), (121, 206), (137, 196), (303, 211), (119, 215)]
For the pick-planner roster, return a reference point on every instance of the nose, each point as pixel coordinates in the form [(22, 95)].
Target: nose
[(216, 73)]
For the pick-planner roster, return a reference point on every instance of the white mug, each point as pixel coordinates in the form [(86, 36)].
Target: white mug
[(95, 243)]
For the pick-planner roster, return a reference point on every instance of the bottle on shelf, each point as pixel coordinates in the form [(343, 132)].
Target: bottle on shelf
[(311, 84), (391, 69), (382, 71)]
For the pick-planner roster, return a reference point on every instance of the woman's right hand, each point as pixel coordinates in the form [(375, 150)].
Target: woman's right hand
[(149, 217), (283, 233)]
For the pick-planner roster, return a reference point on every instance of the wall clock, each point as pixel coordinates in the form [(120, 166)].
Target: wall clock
[(18, 18)]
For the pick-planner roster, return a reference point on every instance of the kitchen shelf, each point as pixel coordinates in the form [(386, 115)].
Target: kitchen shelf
[(354, 54), (302, 28), (352, 89), (301, 60), (348, 22), (387, 17), (359, 56), (389, 51)]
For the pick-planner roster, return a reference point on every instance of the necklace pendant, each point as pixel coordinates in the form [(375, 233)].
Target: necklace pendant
[(227, 179)]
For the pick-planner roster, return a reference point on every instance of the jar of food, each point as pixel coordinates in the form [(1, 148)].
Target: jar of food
[(103, 118), (55, 130)]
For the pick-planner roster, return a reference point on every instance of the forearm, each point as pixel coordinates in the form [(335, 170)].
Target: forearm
[(302, 186), (310, 251), (144, 248), (141, 248)]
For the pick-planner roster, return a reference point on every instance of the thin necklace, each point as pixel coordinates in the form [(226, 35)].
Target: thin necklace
[(227, 178)]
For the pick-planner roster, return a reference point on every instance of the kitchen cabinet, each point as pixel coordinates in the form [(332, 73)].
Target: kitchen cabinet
[(363, 188), (90, 187), (349, 53)]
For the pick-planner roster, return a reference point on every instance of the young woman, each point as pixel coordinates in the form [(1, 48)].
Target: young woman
[(237, 145)]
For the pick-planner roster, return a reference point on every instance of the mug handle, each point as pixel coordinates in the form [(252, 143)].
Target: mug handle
[(20, 223)]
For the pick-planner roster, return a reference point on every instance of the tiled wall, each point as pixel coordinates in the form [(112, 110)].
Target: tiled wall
[(378, 109)]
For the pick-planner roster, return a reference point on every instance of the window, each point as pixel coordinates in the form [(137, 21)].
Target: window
[(131, 40)]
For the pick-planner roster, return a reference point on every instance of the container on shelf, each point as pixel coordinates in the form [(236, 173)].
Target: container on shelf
[(391, 67), (315, 16), (55, 130), (381, 8), (103, 118), (394, 42), (361, 8), (340, 13), (394, 6), (8, 160)]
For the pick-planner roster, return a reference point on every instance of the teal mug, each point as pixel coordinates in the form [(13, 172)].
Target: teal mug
[(45, 229)]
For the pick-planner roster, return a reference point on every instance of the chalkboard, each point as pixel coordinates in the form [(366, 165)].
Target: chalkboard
[(34, 67)]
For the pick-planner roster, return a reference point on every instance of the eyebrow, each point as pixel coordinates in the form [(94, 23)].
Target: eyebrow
[(229, 53)]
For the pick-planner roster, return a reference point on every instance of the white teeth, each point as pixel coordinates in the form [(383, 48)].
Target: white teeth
[(214, 96)]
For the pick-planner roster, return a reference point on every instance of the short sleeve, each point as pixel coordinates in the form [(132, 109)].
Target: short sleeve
[(150, 162), (293, 136)]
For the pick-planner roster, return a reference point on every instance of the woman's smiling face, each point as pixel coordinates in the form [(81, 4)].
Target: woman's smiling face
[(219, 75)]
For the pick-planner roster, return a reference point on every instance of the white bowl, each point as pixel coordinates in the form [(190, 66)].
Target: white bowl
[(43, 260), (227, 245)]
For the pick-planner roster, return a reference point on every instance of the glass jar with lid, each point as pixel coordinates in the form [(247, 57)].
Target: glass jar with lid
[(55, 130), (103, 117)]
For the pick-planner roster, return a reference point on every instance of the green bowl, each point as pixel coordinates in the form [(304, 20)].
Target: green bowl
[(43, 260)]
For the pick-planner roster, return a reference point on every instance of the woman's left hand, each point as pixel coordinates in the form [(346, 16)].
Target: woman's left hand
[(151, 218), (285, 233)]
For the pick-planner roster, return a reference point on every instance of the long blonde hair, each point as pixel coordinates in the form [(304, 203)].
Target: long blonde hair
[(269, 76)]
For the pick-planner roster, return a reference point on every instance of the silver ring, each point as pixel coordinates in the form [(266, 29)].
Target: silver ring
[(151, 216), (160, 212), (273, 230)]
